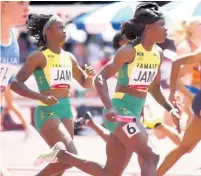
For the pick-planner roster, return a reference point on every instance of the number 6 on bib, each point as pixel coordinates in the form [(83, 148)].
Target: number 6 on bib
[(131, 129)]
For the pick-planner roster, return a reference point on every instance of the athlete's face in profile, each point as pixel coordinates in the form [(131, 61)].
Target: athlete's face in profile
[(159, 31), (16, 12), (57, 32)]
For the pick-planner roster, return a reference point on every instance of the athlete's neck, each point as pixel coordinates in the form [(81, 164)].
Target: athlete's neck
[(54, 48), (146, 42), (6, 26)]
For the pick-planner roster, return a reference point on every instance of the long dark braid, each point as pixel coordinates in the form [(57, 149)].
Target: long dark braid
[(35, 24)]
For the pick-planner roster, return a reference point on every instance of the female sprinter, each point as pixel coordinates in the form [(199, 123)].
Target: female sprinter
[(53, 69), (156, 125), (138, 65), (192, 134)]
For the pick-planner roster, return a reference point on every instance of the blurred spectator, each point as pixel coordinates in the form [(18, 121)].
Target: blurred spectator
[(26, 46), (93, 50), (79, 50), (186, 35), (106, 55), (168, 44)]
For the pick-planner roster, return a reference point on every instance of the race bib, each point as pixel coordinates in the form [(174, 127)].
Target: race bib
[(131, 129), (142, 77), (6, 72), (60, 77)]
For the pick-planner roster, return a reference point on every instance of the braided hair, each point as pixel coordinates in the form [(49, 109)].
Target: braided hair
[(35, 25), (116, 41), (146, 13)]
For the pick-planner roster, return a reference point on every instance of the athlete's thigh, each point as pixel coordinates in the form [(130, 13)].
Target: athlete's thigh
[(118, 157), (192, 134), (69, 124), (134, 137), (8, 97), (54, 131)]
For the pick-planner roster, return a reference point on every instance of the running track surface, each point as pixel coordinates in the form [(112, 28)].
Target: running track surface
[(18, 155)]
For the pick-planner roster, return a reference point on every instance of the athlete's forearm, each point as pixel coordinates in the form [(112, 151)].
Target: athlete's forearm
[(88, 82), (21, 89), (157, 93), (174, 76), (102, 89)]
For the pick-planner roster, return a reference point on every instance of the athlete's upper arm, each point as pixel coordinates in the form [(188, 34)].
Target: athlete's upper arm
[(33, 61), (194, 57), (124, 55), (78, 73)]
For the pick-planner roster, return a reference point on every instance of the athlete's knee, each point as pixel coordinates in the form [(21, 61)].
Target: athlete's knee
[(153, 157), (67, 146), (65, 150), (71, 148), (148, 153), (150, 157)]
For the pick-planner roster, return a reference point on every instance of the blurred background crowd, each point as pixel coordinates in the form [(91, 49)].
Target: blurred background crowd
[(90, 34)]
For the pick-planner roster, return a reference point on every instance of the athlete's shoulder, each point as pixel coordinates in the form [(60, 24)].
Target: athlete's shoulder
[(125, 54), (36, 55), (36, 58), (126, 49)]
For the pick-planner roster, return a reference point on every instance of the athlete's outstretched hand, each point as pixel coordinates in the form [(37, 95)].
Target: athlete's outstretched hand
[(110, 114), (89, 71), (49, 100)]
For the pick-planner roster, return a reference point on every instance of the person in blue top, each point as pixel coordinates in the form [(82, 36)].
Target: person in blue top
[(13, 14)]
